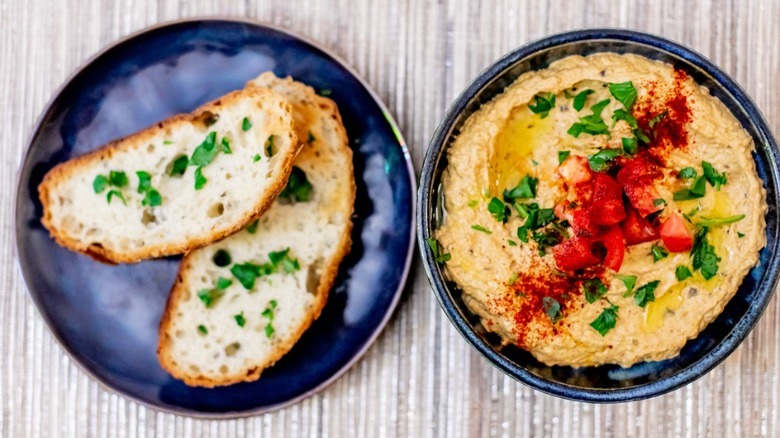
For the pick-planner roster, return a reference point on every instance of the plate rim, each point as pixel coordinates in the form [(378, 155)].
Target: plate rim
[(389, 312), (439, 143)]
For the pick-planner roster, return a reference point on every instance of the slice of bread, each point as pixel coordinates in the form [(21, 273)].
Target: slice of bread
[(229, 340), (90, 206)]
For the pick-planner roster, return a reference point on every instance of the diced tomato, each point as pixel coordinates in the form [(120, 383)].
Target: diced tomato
[(607, 212), (606, 188), (616, 247), (582, 223), (575, 253), (637, 229), (575, 170), (676, 234), (637, 178), (636, 169)]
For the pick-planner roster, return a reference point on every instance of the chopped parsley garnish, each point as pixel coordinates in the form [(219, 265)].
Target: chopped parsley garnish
[(547, 239), (436, 249), (311, 137), (659, 201), (659, 253), (511, 242), (606, 321), (579, 99), (512, 279), (117, 178), (646, 293), (552, 308), (473, 203), (179, 165), (481, 228), (687, 173), (152, 197), (115, 193), (325, 92), (657, 119), (224, 283), (200, 180), (210, 296), (204, 154), (256, 158), (247, 273), (240, 320), (167, 142), (562, 156), (100, 183), (629, 281), (221, 258), (246, 125), (282, 258), (535, 218), (542, 105), (715, 178), (682, 272), (740, 235), (202, 328), (704, 257), (298, 187), (697, 190), (269, 314), (621, 114), (252, 228), (625, 93), (499, 210), (144, 181), (599, 162), (715, 221), (594, 289), (224, 146), (630, 145), (525, 189), (591, 124)]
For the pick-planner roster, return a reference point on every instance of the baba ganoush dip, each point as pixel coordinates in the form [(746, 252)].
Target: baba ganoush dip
[(600, 211)]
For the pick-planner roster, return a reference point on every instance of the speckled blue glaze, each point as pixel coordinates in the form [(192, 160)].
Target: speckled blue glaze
[(607, 383), (106, 317)]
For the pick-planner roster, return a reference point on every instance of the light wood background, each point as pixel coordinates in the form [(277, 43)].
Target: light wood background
[(420, 378)]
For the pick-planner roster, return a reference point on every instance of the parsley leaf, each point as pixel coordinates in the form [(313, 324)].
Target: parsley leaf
[(715, 178), (269, 313), (659, 253), (200, 180), (436, 249), (224, 146), (682, 272), (740, 235), (630, 145), (687, 173), (629, 281), (113, 193), (525, 189), (311, 137), (714, 221), (543, 103), (256, 158), (499, 210), (100, 183), (535, 218), (594, 289), (152, 198), (247, 273), (223, 283), (599, 162), (697, 190), (210, 296), (282, 258), (579, 99), (562, 156), (591, 124), (657, 119), (547, 239), (511, 242), (252, 228), (482, 229), (606, 320), (552, 308), (704, 257), (240, 320), (202, 328), (117, 178), (246, 125), (205, 152), (298, 188), (646, 293), (179, 165), (625, 93)]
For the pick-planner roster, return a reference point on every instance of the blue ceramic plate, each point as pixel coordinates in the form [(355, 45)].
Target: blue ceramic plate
[(106, 317), (608, 383)]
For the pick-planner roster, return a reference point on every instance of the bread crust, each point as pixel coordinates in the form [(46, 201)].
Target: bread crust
[(65, 170), (330, 267)]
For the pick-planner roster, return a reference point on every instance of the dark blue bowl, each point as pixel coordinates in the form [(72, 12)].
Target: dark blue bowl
[(607, 383), (106, 317)]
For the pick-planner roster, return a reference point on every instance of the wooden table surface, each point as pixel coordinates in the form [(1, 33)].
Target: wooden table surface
[(420, 378)]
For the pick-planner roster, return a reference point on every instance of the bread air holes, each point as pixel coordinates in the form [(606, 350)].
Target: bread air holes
[(313, 277), (207, 118), (232, 349), (216, 210), (148, 218), (150, 148), (223, 369)]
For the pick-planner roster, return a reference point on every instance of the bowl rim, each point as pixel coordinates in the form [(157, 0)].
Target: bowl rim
[(439, 143), (409, 256)]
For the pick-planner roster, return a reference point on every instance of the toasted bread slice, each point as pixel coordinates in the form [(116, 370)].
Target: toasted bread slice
[(244, 330), (100, 205)]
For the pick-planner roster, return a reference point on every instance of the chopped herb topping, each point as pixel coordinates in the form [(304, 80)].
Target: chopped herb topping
[(117, 178), (594, 289), (224, 283), (202, 328), (547, 239), (579, 99), (210, 296), (224, 146), (246, 125), (204, 154), (697, 190), (436, 249), (657, 119), (247, 273), (715, 178), (499, 210), (625, 93), (511, 242), (562, 156), (481, 228), (282, 258), (167, 142), (115, 193), (659, 201), (525, 189), (535, 218), (629, 281), (606, 320), (298, 187), (682, 272), (659, 253), (740, 235), (552, 308), (311, 137), (179, 165), (599, 162), (252, 228), (543, 103), (591, 124), (512, 279), (269, 314), (473, 203), (715, 221), (687, 173), (256, 158), (222, 258), (646, 293), (240, 320), (630, 145), (200, 180), (152, 197), (100, 183), (704, 257)]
